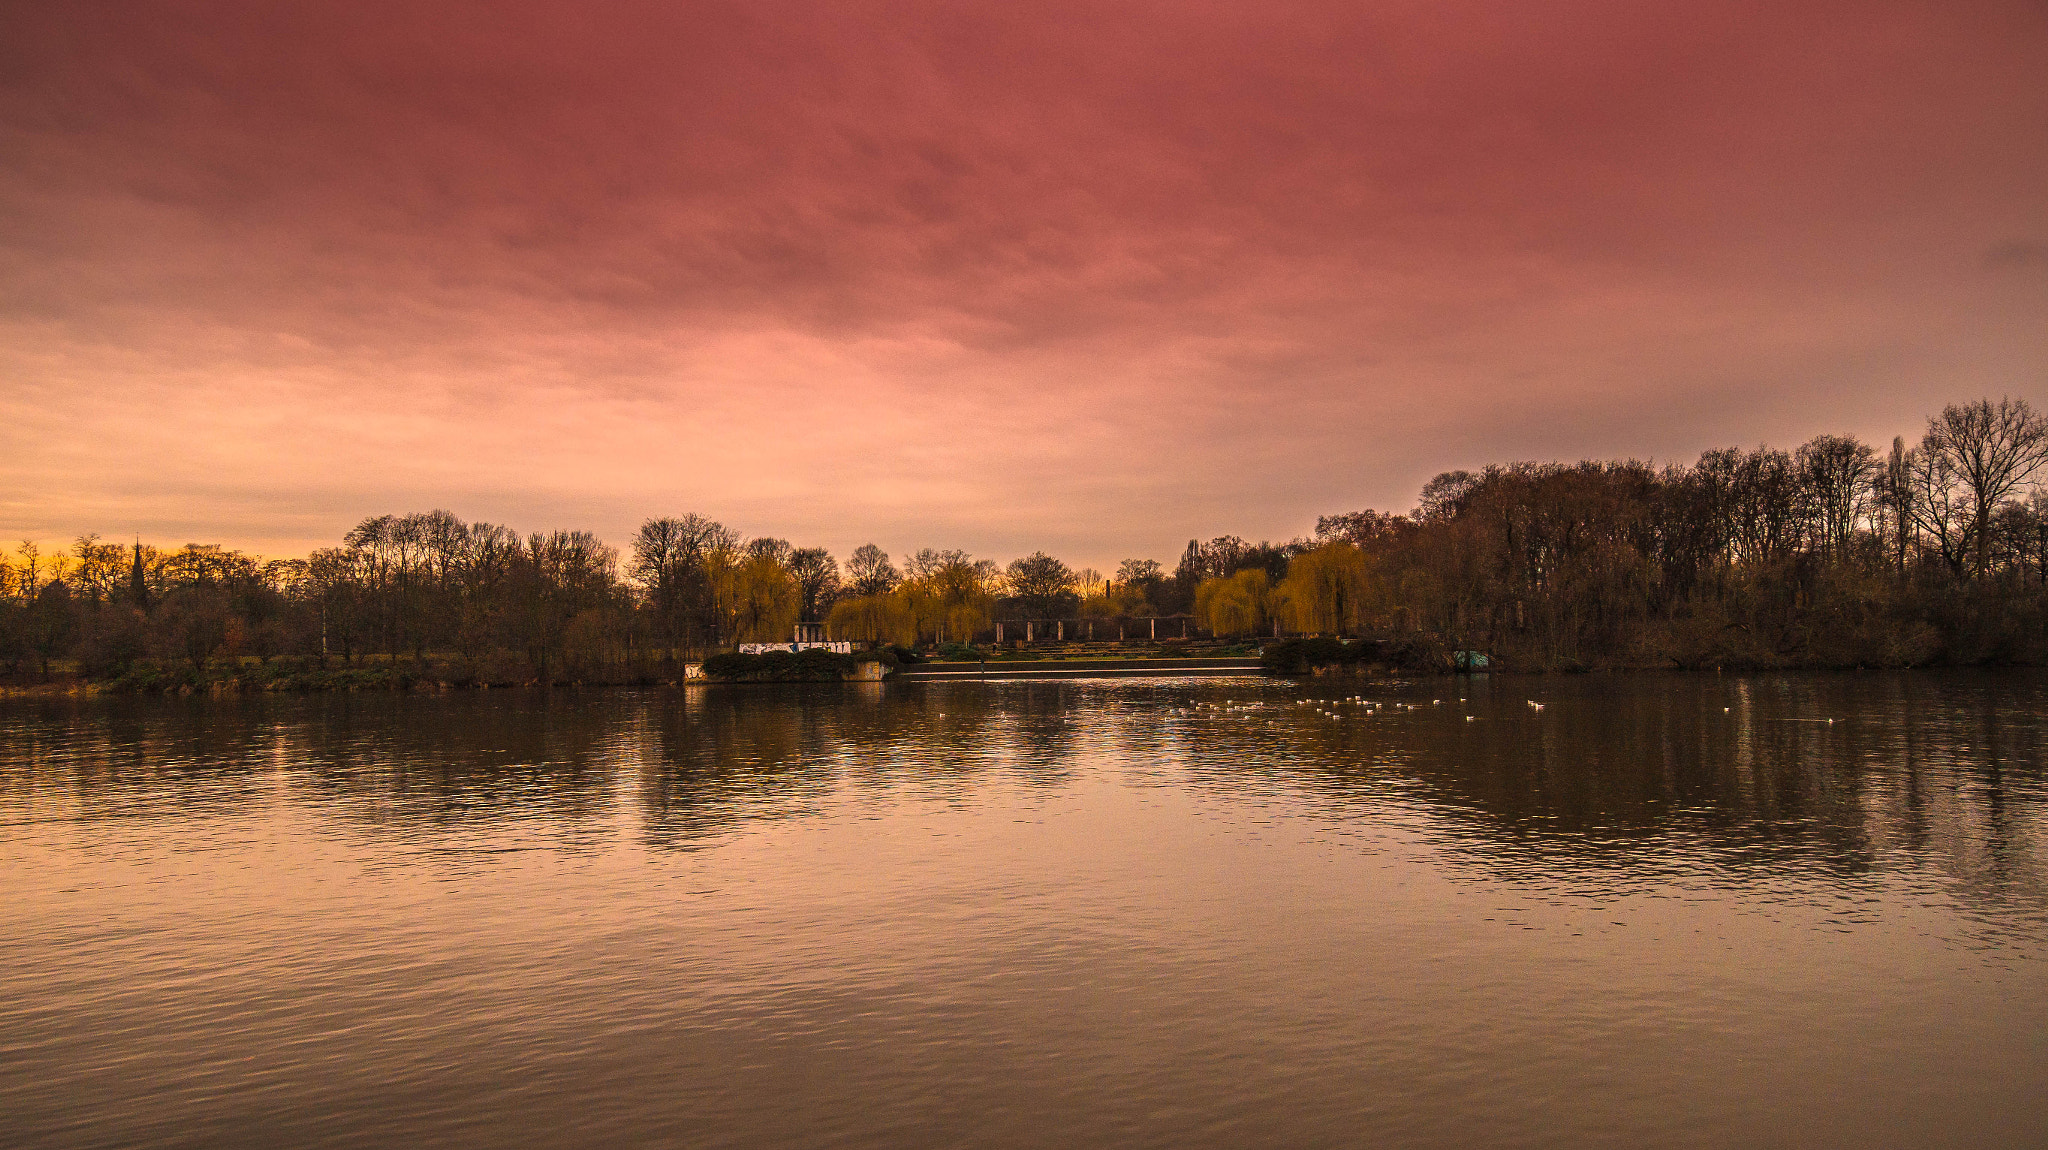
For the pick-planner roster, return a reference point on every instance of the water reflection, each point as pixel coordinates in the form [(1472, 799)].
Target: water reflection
[(1623, 771), (1168, 913)]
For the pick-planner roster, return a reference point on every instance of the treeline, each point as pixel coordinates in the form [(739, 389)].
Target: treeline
[(1829, 555), (429, 590), (1833, 554)]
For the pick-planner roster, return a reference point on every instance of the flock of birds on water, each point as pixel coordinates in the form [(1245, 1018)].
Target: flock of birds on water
[(1365, 708), (1370, 707)]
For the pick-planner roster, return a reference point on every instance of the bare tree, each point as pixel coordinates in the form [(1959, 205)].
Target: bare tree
[(1835, 475), (1766, 506), (668, 562), (1362, 528), (1938, 506), (99, 572), (1444, 496), (817, 579), (929, 561), (31, 567), (1990, 449), (661, 553), (870, 572), (1895, 495), (1138, 571)]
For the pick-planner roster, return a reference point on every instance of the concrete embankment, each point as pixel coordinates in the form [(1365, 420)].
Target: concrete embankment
[(1077, 669)]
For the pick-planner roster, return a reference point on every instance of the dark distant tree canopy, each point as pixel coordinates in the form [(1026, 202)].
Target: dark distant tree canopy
[(869, 571), (1139, 571), (1042, 587), (1830, 554), (1986, 451), (817, 578)]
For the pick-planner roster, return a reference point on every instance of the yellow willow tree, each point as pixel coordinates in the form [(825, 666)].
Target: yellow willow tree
[(1331, 590), (883, 618), (1240, 604), (951, 597), (1128, 599), (757, 598)]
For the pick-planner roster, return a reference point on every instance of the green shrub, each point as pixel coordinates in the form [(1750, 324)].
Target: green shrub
[(813, 666), (1300, 656), (1303, 656), (1415, 653)]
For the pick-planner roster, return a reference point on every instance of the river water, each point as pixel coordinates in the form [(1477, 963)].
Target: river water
[(1662, 910)]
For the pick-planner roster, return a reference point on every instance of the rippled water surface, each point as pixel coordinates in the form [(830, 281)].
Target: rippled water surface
[(1661, 910)]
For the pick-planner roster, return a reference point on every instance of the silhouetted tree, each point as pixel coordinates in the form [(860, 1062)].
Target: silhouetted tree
[(1987, 450), (1756, 556), (50, 623), (1835, 473), (817, 580), (869, 572), (1042, 585)]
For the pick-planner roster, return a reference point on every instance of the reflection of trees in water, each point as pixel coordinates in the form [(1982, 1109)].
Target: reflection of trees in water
[(1650, 772), (1631, 775), (1033, 729), (482, 757), (724, 757), (1961, 782), (119, 758), (702, 760), (375, 758)]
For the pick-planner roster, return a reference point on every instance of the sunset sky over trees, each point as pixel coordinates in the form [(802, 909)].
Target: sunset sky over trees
[(1087, 278)]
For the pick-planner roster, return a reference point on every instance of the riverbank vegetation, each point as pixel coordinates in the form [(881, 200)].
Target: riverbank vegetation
[(815, 665), (1831, 554)]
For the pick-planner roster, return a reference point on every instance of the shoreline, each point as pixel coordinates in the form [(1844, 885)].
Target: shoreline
[(74, 688)]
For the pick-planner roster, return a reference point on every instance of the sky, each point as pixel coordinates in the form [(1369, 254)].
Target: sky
[(1092, 278)]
